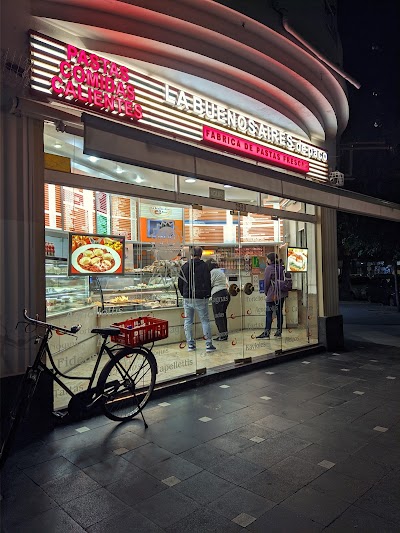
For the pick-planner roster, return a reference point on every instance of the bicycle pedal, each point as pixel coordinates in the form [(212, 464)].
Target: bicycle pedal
[(60, 415)]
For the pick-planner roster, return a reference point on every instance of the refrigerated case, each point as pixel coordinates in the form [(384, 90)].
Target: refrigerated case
[(64, 293)]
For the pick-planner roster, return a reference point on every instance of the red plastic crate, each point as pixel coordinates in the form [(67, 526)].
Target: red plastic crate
[(138, 331)]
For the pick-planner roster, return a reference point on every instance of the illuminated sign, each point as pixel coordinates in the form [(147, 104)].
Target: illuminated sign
[(233, 120), (89, 80), (254, 150), (86, 79)]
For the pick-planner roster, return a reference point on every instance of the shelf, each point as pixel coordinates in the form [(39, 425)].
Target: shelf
[(60, 294), (52, 258)]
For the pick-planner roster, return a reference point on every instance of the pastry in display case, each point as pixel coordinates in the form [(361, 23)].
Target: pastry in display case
[(63, 292), (151, 287)]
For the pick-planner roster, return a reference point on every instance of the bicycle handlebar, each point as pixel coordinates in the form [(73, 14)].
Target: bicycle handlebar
[(71, 331)]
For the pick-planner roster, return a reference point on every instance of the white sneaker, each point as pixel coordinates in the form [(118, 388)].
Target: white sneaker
[(191, 346), (210, 348)]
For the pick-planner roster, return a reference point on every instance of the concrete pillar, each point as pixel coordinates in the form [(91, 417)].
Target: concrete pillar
[(22, 280), (330, 322)]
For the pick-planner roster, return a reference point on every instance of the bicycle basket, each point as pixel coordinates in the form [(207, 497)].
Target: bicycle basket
[(141, 330)]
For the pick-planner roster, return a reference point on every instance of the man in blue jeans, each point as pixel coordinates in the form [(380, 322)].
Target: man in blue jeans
[(194, 284)]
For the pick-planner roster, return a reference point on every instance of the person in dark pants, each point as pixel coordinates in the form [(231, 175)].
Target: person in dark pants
[(194, 284), (275, 296), (220, 298)]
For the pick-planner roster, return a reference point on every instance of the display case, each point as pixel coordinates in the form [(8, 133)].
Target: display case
[(63, 292), (153, 287)]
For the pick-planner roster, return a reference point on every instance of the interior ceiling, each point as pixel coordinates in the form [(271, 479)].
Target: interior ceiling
[(71, 146)]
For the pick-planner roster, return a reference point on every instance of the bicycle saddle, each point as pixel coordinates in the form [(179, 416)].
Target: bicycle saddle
[(106, 331)]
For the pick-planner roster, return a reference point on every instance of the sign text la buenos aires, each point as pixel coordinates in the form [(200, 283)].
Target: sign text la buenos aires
[(238, 122)]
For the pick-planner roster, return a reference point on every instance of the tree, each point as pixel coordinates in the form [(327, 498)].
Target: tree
[(368, 239)]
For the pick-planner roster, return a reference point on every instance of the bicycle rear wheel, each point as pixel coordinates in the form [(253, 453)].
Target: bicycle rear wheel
[(26, 391), (127, 382)]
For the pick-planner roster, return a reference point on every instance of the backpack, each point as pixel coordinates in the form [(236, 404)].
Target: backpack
[(282, 285)]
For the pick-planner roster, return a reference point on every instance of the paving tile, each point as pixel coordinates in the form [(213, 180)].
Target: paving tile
[(317, 453), (359, 468), (236, 469), (297, 471), (355, 519), (111, 470), (70, 487), (136, 488), (390, 483), (270, 486), (343, 487), (17, 509), (174, 466), (276, 422), (87, 456), (204, 487), (54, 520), (243, 519), (167, 507), (319, 507), (171, 481), (14, 482), (125, 522), (381, 503), (49, 470), (204, 455), (147, 455), (307, 433), (241, 501), (280, 519), (252, 430), (204, 521), (273, 450), (94, 507), (231, 443)]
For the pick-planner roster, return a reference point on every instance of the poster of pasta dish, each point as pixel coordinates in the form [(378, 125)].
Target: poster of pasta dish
[(297, 259), (95, 254)]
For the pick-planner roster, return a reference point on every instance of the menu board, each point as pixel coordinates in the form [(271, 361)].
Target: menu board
[(297, 259), (95, 254)]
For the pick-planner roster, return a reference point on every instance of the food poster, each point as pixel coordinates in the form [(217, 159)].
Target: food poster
[(297, 259), (96, 254), (160, 223)]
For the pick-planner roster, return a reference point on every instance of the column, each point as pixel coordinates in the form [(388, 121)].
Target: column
[(330, 322)]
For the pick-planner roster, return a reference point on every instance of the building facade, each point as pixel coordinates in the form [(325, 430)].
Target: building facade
[(161, 126)]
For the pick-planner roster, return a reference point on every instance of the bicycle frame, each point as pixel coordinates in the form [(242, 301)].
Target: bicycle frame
[(54, 372)]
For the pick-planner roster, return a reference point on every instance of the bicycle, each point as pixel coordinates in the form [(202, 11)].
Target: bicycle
[(124, 385)]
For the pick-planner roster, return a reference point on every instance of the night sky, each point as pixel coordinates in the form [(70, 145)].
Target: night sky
[(370, 34)]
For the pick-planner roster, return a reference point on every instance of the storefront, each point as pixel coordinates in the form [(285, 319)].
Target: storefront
[(156, 167)]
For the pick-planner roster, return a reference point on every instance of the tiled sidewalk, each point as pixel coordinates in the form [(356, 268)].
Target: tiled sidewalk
[(303, 446)]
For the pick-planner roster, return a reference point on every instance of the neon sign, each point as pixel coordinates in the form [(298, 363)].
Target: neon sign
[(254, 150), (88, 79)]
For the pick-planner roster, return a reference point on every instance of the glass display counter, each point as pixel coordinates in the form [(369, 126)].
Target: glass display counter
[(63, 292), (152, 287)]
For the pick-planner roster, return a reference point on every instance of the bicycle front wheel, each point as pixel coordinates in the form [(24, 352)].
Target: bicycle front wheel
[(126, 383)]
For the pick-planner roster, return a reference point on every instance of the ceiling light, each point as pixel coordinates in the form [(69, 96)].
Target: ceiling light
[(119, 170), (138, 179), (93, 159), (57, 145), (228, 186), (190, 180)]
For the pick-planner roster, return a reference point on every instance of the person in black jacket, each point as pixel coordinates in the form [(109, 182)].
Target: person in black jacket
[(194, 284)]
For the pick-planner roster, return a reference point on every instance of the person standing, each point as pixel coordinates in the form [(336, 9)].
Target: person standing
[(220, 298), (194, 284), (275, 292)]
